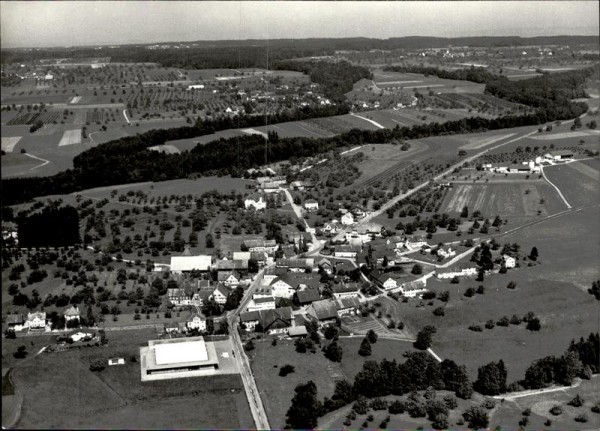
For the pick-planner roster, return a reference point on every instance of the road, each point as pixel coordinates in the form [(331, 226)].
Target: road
[(252, 393)]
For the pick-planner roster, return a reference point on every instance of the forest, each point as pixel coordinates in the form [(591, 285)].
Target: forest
[(52, 227)]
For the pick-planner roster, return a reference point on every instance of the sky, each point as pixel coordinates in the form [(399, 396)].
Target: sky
[(74, 23)]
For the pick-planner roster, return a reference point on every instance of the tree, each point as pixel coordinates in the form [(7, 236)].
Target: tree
[(476, 417), (210, 243), (534, 254), (330, 332), (365, 347), (534, 324), (372, 336), (417, 269), (286, 369), (333, 352), (456, 379), (305, 408), (423, 341), (491, 379), (21, 352)]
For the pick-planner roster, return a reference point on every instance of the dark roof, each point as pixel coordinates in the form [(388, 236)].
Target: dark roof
[(349, 287), (347, 248), (307, 296), (249, 316), (296, 279), (15, 319), (228, 265), (296, 263), (262, 300), (325, 309), (277, 318)]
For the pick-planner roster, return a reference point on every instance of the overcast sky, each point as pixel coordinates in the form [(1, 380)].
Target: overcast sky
[(65, 23)]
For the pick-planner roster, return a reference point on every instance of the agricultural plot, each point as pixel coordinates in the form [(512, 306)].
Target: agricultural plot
[(578, 181), (477, 142), (9, 143), (387, 80), (49, 117), (296, 129), (70, 137), (566, 135), (514, 200)]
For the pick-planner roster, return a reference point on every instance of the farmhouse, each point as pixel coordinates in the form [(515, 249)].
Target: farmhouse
[(36, 320), (461, 270), (241, 255), (444, 254), (268, 245), (558, 155), (325, 265), (414, 242), (346, 251), (232, 265), (196, 87), (249, 320), (220, 293), (328, 310), (345, 290), (178, 357), (347, 219), (229, 278), (296, 265), (413, 288), (196, 322), (255, 201), (273, 272), (306, 296), (280, 288), (261, 303), (311, 205), (180, 264), (72, 313), (275, 321), (179, 296), (15, 322), (509, 261)]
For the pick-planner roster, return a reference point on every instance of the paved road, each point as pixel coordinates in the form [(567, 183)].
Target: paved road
[(252, 393)]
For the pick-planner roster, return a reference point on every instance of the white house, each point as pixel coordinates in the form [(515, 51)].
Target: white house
[(445, 254), (559, 155), (414, 242), (72, 313), (389, 283), (36, 320), (220, 293), (413, 288), (181, 264), (311, 205), (256, 201), (262, 303), (196, 87), (459, 271), (347, 219), (346, 251), (197, 322), (229, 279), (281, 289), (81, 335), (509, 261)]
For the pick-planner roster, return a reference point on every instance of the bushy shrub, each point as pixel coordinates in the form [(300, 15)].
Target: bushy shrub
[(397, 407), (577, 401), (556, 410)]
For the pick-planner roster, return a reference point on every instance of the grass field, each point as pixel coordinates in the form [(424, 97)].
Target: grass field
[(61, 392), (70, 137), (278, 391), (8, 143), (578, 181)]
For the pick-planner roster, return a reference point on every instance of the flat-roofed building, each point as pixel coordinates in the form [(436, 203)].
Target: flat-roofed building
[(189, 263), (177, 358)]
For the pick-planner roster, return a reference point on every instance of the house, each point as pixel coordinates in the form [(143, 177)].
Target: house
[(358, 212), (348, 251), (261, 257), (171, 327), (302, 280), (261, 303), (414, 242), (445, 254), (559, 155), (249, 320), (255, 201), (72, 313), (226, 265), (306, 296), (81, 335), (462, 270), (242, 255), (297, 331), (272, 273), (197, 322), (270, 187), (296, 265), (347, 306), (347, 219), (196, 87), (331, 227), (297, 185), (325, 265), (323, 311), (15, 322), (281, 288), (311, 205), (412, 289), (345, 290), (387, 282), (509, 261), (229, 279), (36, 320), (267, 245), (181, 264), (179, 296), (220, 293)]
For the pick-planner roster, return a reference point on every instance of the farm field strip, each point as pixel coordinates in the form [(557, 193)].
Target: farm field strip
[(75, 100), (376, 124), (566, 135), (8, 144), (480, 142), (586, 170), (70, 137)]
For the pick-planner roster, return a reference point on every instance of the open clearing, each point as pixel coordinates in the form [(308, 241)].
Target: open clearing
[(168, 149), (565, 135), (70, 137), (478, 142), (578, 181), (69, 395), (8, 143)]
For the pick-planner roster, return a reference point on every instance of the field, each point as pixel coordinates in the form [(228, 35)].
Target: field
[(578, 181), (8, 143), (516, 200), (416, 82), (116, 398), (70, 137), (278, 391)]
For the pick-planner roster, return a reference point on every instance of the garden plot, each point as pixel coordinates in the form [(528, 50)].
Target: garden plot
[(8, 144), (70, 137)]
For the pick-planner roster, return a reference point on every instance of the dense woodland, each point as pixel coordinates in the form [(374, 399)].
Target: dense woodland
[(252, 52), (52, 227)]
